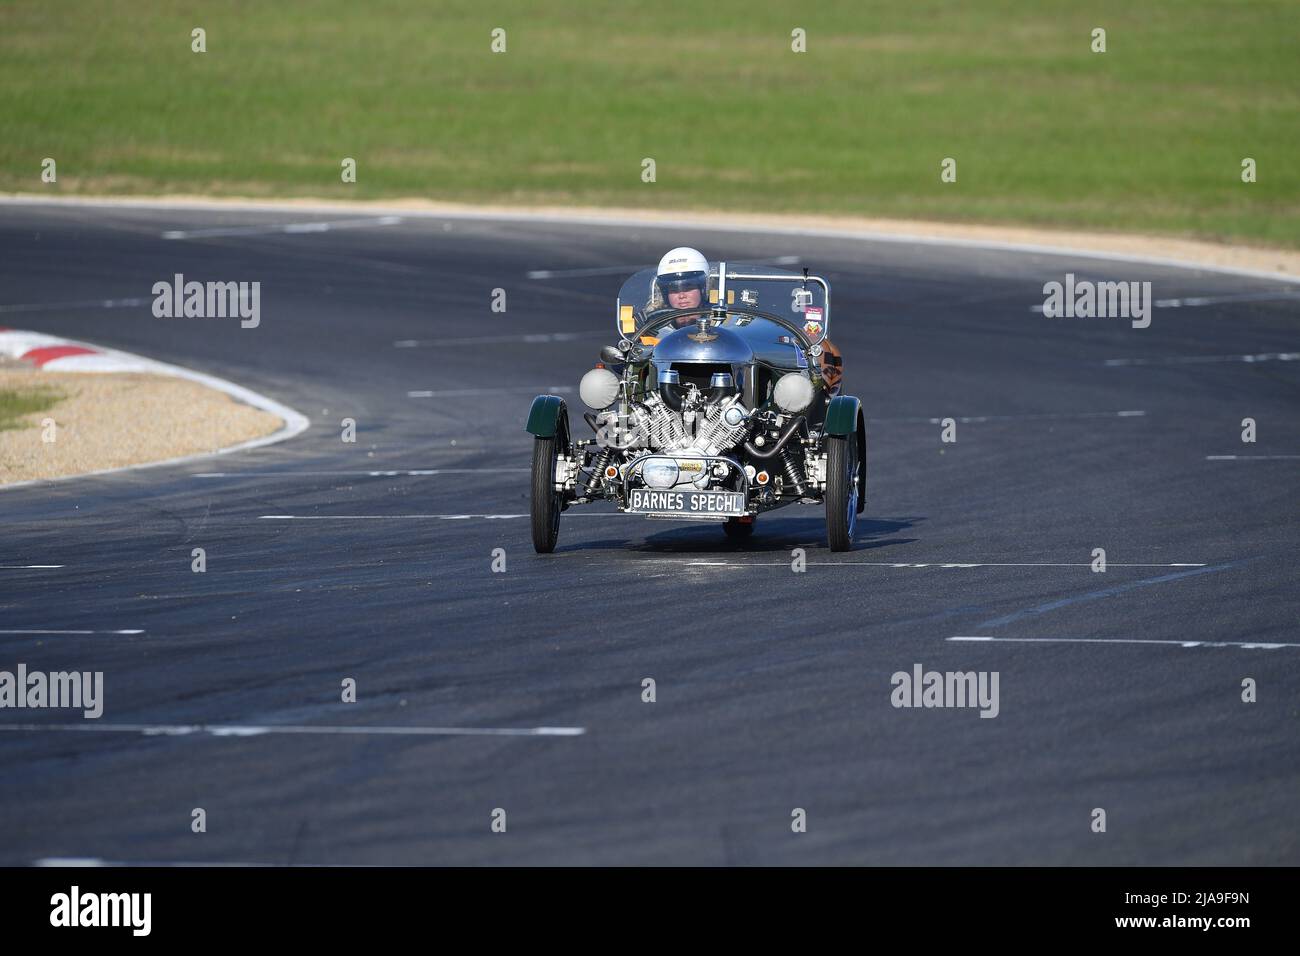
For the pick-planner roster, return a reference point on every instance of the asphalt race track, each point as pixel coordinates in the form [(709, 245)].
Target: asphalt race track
[(522, 690)]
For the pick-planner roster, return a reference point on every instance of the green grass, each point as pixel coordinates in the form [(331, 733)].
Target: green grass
[(1148, 136), (17, 404)]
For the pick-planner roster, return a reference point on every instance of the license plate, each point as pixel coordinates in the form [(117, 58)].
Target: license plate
[(688, 504)]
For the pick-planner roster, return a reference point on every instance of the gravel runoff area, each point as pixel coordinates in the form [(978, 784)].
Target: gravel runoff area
[(113, 420)]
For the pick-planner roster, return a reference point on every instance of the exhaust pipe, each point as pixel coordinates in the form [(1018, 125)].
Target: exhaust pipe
[(772, 450)]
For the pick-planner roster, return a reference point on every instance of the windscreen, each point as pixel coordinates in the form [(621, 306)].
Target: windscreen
[(751, 287)]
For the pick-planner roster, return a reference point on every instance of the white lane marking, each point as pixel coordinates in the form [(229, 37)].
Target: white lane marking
[(410, 473), (1248, 645), (628, 270), (613, 220), (466, 392), (1201, 359), (1113, 591), (443, 517), (94, 861), (1252, 457), (69, 861), (83, 304), (581, 273), (29, 567), (255, 730), (526, 338), (291, 228), (1132, 413), (1200, 300), (934, 564), (124, 631)]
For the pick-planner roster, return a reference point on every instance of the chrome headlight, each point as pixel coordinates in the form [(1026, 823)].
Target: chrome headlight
[(793, 392), (599, 388), (659, 473)]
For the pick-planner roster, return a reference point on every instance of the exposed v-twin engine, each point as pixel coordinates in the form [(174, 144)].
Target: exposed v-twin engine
[(708, 429)]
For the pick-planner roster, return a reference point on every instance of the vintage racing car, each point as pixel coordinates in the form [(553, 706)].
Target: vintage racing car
[(718, 411)]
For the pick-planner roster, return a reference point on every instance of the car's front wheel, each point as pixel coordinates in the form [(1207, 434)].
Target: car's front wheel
[(547, 503), (842, 483)]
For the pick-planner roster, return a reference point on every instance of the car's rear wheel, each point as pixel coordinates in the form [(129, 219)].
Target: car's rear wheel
[(547, 503), (842, 482), (738, 529)]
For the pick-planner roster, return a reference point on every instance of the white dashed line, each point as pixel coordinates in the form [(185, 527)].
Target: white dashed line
[(29, 567), (469, 392), (94, 861), (1196, 301), (1135, 413), (1203, 359), (409, 473), (291, 228), (934, 564), (125, 631), (628, 270), (255, 730), (83, 304), (443, 517), (377, 517), (527, 338), (1252, 457), (1248, 645)]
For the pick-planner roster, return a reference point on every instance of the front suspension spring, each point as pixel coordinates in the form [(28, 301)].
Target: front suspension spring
[(793, 474), (598, 470)]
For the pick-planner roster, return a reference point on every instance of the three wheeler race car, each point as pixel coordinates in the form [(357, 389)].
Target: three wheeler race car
[(720, 401)]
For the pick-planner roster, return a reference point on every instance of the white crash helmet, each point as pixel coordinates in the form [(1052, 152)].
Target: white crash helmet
[(681, 270)]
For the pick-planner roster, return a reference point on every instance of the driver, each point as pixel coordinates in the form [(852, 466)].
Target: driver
[(681, 282), (682, 278)]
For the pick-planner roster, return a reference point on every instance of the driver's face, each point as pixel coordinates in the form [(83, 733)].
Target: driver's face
[(684, 300)]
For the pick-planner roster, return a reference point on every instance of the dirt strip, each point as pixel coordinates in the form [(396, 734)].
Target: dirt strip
[(112, 420)]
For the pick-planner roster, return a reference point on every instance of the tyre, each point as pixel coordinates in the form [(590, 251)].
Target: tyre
[(547, 503), (843, 478), (739, 529), (862, 469)]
